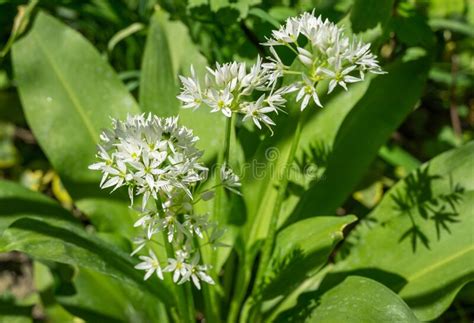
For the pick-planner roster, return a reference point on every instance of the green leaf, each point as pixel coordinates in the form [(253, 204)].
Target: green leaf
[(260, 187), (360, 134), (421, 233), (69, 93), (17, 202), (39, 227), (356, 299), (99, 296), (170, 51), (301, 250), (367, 14), (158, 89)]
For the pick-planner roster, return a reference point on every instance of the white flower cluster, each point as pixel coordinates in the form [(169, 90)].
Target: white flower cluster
[(230, 88), (150, 155), (156, 158), (327, 55)]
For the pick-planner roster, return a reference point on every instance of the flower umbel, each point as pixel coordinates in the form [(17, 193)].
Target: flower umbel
[(230, 89), (157, 159), (328, 55)]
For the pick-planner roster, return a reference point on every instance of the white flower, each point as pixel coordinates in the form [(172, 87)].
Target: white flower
[(288, 33), (307, 92), (258, 112), (158, 159), (229, 179), (170, 225), (196, 273), (151, 265), (340, 77), (178, 265), (220, 101), (275, 67), (191, 94)]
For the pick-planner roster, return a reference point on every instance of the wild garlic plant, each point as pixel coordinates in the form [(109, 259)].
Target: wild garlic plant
[(157, 159)]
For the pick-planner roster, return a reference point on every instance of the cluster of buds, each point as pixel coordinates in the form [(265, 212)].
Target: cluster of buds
[(157, 159)]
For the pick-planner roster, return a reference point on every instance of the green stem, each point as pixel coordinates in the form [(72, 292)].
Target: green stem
[(270, 240), (212, 313), (190, 301), (222, 160), (228, 132), (240, 289), (185, 311)]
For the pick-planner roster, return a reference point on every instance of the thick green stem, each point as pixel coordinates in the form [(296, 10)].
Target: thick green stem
[(270, 240)]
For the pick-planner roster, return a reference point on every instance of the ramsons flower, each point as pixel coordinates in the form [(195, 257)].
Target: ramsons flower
[(328, 54), (151, 265), (231, 89), (150, 155), (158, 159)]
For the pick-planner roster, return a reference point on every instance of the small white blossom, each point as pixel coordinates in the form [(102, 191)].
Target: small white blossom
[(257, 111), (191, 94), (196, 272), (151, 265), (229, 179), (178, 265), (306, 93)]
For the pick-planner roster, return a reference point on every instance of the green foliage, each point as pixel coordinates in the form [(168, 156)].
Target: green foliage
[(301, 249), (426, 221), (356, 299), (42, 229), (158, 87)]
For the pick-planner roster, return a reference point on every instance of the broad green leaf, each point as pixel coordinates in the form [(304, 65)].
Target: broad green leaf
[(356, 299), (35, 225), (97, 295), (301, 250), (69, 93), (367, 14), (364, 129), (18, 202), (421, 233), (158, 88), (320, 129), (169, 52)]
